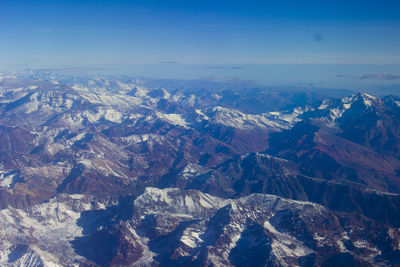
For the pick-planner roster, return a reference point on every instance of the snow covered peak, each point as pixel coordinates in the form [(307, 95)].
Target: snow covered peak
[(175, 119), (174, 201), (368, 100), (6, 76), (237, 119), (333, 109)]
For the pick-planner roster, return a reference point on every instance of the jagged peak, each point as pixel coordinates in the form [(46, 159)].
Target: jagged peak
[(368, 100)]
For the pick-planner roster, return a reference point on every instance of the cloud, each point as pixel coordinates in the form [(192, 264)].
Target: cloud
[(348, 76), (168, 62), (214, 67), (73, 69), (373, 76), (380, 76)]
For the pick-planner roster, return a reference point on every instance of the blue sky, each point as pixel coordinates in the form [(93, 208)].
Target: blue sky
[(69, 33), (200, 32)]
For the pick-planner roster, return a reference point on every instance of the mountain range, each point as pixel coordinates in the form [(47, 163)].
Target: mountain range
[(121, 171)]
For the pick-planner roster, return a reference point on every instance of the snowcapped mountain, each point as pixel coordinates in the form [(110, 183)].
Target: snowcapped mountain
[(174, 227), (106, 171)]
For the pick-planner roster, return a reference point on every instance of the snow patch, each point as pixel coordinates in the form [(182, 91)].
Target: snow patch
[(284, 245), (135, 139), (93, 116), (45, 231), (324, 105), (189, 171), (191, 238), (7, 179), (113, 116), (176, 119), (336, 113), (368, 99)]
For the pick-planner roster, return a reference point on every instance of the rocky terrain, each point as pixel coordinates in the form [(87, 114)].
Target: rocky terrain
[(118, 171)]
